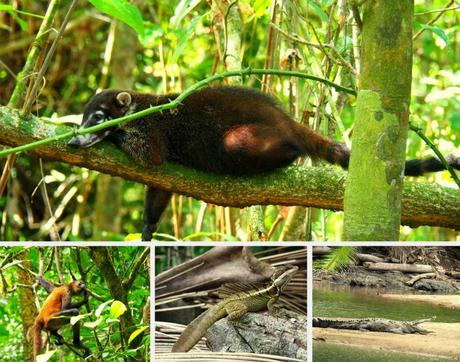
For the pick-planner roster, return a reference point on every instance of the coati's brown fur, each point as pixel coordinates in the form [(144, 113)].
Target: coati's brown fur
[(227, 130), (56, 312)]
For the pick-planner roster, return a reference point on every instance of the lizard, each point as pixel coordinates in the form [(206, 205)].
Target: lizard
[(236, 300)]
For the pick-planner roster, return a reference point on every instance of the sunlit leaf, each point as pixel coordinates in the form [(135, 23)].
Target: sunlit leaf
[(123, 11), (93, 325), (77, 318), (45, 356), (182, 9), (117, 309), (136, 333), (101, 307)]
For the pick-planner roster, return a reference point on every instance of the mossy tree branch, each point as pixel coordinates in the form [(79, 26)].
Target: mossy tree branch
[(321, 187)]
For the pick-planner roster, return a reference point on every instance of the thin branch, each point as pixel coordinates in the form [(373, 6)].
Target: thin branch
[(438, 153), (432, 21), (31, 98), (437, 11), (128, 282)]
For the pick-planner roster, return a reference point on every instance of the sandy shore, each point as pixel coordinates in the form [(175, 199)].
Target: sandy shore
[(448, 301), (442, 343)]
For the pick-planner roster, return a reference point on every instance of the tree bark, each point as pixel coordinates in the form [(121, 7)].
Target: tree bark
[(321, 187), (375, 182)]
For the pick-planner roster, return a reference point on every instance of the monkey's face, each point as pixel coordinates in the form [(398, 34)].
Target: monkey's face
[(77, 286), (107, 105)]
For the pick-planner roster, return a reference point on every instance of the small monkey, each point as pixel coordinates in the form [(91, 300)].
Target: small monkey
[(57, 311)]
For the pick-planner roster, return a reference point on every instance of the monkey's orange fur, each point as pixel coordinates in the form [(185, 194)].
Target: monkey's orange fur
[(58, 299)]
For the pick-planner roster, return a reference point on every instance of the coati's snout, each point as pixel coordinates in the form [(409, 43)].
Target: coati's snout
[(86, 140), (108, 104)]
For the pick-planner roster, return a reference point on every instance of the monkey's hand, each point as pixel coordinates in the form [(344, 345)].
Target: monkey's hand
[(85, 296), (59, 340)]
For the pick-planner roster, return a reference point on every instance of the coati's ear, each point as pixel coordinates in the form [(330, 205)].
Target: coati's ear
[(124, 99)]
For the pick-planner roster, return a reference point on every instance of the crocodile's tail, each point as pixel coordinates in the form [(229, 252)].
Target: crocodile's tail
[(197, 329)]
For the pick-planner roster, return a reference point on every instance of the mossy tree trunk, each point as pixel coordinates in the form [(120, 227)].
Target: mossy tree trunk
[(107, 216), (373, 190)]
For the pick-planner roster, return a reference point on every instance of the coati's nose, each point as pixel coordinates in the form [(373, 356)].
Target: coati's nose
[(75, 142)]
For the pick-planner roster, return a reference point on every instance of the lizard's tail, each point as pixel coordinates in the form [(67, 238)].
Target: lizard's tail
[(197, 329)]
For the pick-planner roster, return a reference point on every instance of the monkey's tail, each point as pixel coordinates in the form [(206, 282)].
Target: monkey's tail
[(318, 146), (37, 334)]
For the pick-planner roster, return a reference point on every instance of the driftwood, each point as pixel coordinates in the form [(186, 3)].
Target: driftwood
[(405, 268), (453, 274), (321, 250), (261, 333), (369, 258), (374, 325), (219, 265), (418, 277)]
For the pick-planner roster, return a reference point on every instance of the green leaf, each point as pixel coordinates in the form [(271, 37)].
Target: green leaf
[(12, 11), (45, 356), (92, 325), (101, 308), (123, 11), (185, 36), (117, 309), (182, 9), (437, 31), (259, 8), (77, 318), (10, 8), (319, 12), (455, 120), (136, 333)]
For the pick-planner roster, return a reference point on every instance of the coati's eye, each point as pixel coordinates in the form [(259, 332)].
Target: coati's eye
[(98, 116)]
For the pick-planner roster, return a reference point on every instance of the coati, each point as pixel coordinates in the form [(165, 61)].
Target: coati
[(227, 130), (56, 312)]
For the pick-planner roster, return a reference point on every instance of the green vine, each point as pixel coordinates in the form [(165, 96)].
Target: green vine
[(438, 153)]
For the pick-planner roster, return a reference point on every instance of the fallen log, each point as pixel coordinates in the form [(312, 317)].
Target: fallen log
[(404, 268), (374, 325), (321, 250), (454, 274), (370, 258), (416, 278)]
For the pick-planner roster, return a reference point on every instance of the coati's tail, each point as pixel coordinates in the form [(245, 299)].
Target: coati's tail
[(432, 164), (37, 339), (318, 146)]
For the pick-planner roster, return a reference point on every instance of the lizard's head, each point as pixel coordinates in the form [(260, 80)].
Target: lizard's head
[(77, 286), (104, 106), (283, 275)]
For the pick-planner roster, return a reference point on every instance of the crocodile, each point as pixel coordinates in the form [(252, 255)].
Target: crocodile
[(236, 300), (374, 325)]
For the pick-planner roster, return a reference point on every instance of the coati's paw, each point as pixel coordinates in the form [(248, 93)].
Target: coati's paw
[(147, 232)]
